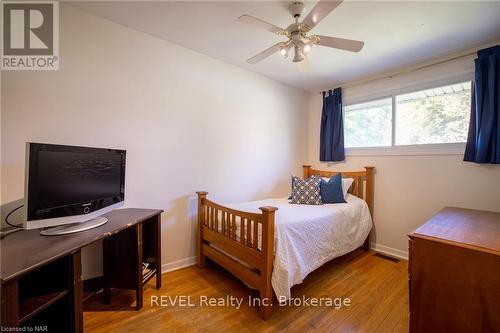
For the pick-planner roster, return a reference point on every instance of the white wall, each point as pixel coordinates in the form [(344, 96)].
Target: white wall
[(188, 122), (410, 189)]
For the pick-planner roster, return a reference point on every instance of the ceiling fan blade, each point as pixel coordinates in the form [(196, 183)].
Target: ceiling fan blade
[(341, 43), (319, 12), (264, 54), (259, 23)]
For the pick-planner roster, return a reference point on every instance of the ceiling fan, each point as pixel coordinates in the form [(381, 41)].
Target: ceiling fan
[(297, 33)]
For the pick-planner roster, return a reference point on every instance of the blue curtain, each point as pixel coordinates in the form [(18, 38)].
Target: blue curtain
[(331, 146), (483, 142)]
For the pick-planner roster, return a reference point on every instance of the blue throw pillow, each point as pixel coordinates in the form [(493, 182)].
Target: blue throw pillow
[(331, 191)]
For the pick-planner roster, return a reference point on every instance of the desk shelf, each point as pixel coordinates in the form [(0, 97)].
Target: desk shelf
[(124, 265), (34, 305), (44, 297)]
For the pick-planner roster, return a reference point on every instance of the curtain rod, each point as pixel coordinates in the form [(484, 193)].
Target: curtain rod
[(414, 68)]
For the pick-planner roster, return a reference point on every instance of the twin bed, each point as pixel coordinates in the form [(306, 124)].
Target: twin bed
[(272, 244)]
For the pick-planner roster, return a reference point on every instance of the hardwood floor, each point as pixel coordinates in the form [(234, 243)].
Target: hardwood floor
[(376, 286)]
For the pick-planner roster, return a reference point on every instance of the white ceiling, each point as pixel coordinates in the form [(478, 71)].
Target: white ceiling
[(396, 34)]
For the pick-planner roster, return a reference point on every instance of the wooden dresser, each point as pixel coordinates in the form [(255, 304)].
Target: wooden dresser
[(454, 272)]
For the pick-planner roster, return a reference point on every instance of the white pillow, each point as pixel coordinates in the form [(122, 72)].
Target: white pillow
[(346, 184)]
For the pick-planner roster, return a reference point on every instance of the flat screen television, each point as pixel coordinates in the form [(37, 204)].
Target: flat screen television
[(71, 185)]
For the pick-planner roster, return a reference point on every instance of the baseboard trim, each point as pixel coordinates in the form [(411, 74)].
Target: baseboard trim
[(178, 264), (186, 262), (389, 251)]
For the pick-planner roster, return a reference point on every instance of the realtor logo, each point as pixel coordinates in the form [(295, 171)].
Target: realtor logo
[(30, 38)]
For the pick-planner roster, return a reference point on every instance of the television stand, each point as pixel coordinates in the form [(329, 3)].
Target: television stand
[(74, 227), (41, 282)]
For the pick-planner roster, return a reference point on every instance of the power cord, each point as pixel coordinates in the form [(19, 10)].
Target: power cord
[(7, 218), (6, 233), (17, 227)]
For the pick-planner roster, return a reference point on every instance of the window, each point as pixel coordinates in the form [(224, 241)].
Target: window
[(438, 115), (368, 124), (432, 116)]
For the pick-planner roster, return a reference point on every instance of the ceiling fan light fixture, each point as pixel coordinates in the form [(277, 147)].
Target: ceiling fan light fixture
[(297, 33), (298, 55)]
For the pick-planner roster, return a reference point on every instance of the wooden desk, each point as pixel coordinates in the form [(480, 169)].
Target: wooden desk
[(454, 271), (41, 275)]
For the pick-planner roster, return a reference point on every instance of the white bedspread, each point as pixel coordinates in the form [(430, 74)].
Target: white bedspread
[(309, 236)]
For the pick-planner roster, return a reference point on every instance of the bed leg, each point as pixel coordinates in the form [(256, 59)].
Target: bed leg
[(201, 260), (366, 244), (266, 289), (201, 221), (370, 171), (266, 305)]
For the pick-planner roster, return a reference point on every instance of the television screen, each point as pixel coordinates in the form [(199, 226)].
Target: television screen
[(68, 180)]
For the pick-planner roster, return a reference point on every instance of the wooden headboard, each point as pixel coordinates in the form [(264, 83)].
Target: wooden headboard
[(362, 187)]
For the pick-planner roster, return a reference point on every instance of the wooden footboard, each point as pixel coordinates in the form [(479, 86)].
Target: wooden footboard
[(241, 242)]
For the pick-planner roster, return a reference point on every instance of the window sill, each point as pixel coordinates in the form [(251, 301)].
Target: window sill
[(413, 150)]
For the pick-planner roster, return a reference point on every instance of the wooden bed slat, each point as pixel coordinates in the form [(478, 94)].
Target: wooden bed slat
[(247, 233), (360, 187), (209, 216), (224, 225), (214, 224), (212, 217), (233, 226), (221, 223), (255, 236), (253, 257), (248, 276), (217, 220), (242, 230), (209, 221)]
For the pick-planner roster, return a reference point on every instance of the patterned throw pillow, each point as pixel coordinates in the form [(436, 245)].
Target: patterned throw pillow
[(306, 191)]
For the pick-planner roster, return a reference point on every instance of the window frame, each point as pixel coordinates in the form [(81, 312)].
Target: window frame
[(454, 148)]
